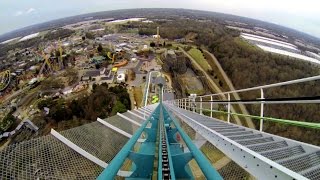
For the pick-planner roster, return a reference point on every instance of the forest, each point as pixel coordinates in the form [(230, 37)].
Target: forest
[(115, 99), (248, 66)]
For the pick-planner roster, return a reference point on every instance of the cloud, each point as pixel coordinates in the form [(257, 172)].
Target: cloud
[(28, 11), (18, 13)]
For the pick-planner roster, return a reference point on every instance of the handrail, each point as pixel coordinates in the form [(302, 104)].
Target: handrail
[(261, 100), (283, 121), (296, 81)]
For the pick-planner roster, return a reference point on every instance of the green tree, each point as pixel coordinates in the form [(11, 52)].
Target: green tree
[(100, 48), (76, 108), (118, 107), (7, 122), (94, 87), (152, 44), (89, 35), (45, 103), (60, 112)]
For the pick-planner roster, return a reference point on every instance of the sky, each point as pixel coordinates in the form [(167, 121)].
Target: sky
[(300, 15)]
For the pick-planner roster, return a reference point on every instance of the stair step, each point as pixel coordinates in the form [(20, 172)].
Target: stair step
[(283, 153), (311, 173), (223, 128), (243, 137), (255, 141), (237, 133), (301, 162), (231, 130), (268, 146)]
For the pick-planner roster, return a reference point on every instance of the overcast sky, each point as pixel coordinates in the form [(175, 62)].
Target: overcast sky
[(301, 15)]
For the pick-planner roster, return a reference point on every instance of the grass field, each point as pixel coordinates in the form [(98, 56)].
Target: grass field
[(246, 45), (198, 56)]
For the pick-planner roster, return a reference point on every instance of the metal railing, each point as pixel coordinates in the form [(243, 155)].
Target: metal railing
[(190, 104)]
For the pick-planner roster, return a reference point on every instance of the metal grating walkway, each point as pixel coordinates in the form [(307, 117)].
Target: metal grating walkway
[(48, 158), (45, 158), (261, 154)]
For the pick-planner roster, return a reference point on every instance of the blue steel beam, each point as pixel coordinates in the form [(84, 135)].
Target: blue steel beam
[(111, 170), (205, 166)]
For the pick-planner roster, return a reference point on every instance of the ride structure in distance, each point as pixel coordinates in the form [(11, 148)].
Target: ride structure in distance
[(5, 79)]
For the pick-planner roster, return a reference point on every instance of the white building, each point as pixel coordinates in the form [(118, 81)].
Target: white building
[(133, 59), (156, 36), (67, 90), (121, 78)]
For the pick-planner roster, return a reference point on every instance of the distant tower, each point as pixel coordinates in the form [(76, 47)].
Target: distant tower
[(158, 36)]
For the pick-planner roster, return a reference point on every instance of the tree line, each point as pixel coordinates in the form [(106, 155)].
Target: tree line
[(103, 102)]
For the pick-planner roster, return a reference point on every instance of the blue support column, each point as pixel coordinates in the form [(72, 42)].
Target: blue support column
[(171, 132), (180, 165)]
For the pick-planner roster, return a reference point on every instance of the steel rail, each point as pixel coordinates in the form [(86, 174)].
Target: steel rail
[(112, 169), (264, 102)]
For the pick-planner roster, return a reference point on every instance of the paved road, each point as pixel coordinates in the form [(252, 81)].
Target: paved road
[(14, 94), (137, 68), (141, 60), (146, 92)]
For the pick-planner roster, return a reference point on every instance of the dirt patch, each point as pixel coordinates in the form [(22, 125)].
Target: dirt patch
[(191, 36), (192, 84), (137, 93)]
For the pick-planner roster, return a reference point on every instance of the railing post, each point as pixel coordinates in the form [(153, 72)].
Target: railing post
[(194, 104), (211, 106), (185, 103), (182, 103), (200, 106), (229, 108), (261, 109)]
